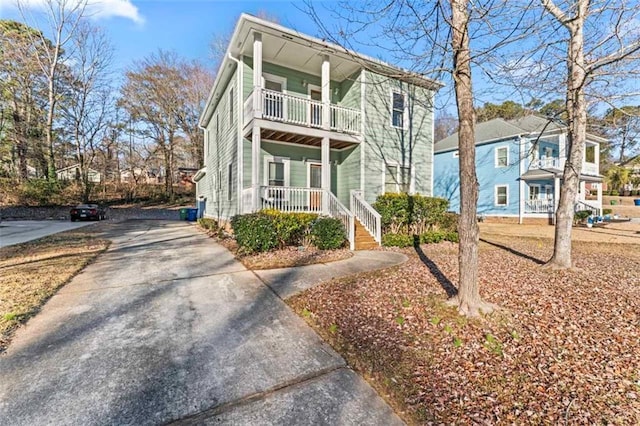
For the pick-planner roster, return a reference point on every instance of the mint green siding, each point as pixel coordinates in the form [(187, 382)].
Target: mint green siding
[(222, 136), (385, 144)]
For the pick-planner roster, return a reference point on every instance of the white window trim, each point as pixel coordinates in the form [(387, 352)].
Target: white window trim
[(405, 113), (309, 164), (398, 166), (496, 149), (229, 181), (495, 195), (276, 79), (287, 170), (534, 185)]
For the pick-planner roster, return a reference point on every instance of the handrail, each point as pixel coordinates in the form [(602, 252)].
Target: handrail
[(336, 209), (367, 215), (581, 205)]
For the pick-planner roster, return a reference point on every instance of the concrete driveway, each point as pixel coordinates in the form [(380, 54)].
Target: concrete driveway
[(20, 231), (167, 326)]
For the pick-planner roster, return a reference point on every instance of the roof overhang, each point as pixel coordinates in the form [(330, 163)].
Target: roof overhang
[(299, 51)]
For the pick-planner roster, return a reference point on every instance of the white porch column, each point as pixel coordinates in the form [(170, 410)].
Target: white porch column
[(522, 201), (522, 154), (556, 196), (326, 174), (363, 120), (255, 168), (583, 191), (600, 196), (326, 92), (257, 75), (562, 146), (596, 157)]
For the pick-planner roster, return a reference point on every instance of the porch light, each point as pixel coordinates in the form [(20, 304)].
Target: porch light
[(304, 83)]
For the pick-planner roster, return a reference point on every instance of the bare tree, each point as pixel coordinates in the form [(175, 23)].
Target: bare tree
[(63, 18), (601, 36), (87, 103)]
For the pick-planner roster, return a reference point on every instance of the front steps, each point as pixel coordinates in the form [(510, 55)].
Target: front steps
[(363, 239)]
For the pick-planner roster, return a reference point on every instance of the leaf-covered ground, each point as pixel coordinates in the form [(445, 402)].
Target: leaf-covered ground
[(564, 349), (32, 272)]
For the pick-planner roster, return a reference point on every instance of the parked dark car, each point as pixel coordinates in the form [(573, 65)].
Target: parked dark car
[(87, 212)]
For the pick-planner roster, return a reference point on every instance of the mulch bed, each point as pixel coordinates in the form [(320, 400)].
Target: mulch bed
[(286, 257), (564, 348)]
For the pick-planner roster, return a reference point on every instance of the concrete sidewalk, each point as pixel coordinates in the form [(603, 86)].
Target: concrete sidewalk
[(287, 282), (20, 231), (167, 326)]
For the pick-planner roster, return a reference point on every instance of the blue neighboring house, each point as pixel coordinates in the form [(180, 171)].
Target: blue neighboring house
[(520, 165)]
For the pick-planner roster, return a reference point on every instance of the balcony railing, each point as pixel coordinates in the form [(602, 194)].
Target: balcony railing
[(558, 164), (286, 108), (539, 206)]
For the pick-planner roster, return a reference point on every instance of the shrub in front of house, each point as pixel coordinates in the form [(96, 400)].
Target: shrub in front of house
[(607, 211), (292, 228), (254, 232), (327, 233), (406, 215)]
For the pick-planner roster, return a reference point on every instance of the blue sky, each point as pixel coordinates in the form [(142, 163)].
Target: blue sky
[(138, 28)]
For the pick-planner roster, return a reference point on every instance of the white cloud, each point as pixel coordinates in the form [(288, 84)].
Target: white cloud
[(98, 9)]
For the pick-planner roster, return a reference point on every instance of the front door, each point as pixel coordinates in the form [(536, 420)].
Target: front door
[(315, 181), (315, 111)]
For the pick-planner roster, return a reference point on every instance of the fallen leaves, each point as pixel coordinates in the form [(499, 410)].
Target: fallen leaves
[(564, 348)]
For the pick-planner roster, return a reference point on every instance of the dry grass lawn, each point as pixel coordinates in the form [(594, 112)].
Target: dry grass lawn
[(30, 273), (564, 349)]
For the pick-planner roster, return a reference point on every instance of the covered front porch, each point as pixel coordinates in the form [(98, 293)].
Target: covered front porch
[(540, 194)]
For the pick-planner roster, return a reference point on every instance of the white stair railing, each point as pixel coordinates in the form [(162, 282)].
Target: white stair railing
[(367, 215), (339, 211), (581, 205)]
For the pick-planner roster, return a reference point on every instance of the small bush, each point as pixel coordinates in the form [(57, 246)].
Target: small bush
[(452, 236), (255, 232), (432, 237), (412, 214), (291, 228), (614, 193), (581, 215), (328, 233), (397, 240), (607, 211), (39, 192)]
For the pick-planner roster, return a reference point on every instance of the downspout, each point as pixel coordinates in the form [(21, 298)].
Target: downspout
[(239, 125)]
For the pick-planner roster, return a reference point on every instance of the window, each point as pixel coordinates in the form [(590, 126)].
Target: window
[(502, 156), (548, 190), (231, 102), (397, 178), (229, 181), (276, 173), (501, 195), (398, 105), (548, 152), (534, 192), (274, 103), (590, 154)]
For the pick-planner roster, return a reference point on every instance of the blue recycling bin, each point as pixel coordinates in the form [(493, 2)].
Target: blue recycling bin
[(192, 215)]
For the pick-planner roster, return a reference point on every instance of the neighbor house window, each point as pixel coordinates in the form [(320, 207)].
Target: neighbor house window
[(397, 178), (590, 154), (231, 102), (229, 181), (398, 105), (502, 156), (534, 192), (502, 195)]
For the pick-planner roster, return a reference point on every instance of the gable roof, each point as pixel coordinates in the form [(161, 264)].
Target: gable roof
[(487, 131), (305, 49)]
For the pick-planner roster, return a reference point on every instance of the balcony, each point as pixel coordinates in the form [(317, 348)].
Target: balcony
[(556, 163), (299, 111)]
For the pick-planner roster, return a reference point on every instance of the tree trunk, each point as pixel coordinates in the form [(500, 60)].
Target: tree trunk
[(577, 131), (468, 299)]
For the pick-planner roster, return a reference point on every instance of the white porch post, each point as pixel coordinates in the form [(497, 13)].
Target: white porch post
[(556, 197), (583, 190), (600, 196), (562, 146), (522, 154), (596, 157), (257, 75), (363, 120), (326, 174), (522, 202), (326, 92), (255, 168)]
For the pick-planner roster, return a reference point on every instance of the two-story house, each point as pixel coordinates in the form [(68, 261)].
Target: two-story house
[(298, 124), (520, 164)]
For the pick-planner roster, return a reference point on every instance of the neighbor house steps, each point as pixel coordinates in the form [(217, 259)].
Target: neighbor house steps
[(363, 239)]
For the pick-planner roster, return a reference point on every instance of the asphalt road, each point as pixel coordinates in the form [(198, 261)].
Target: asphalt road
[(21, 231), (166, 326)]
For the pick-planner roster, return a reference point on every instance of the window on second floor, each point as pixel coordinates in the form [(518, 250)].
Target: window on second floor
[(231, 103), (229, 181), (396, 178), (502, 156), (398, 109), (590, 154)]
